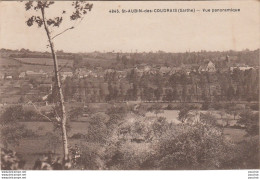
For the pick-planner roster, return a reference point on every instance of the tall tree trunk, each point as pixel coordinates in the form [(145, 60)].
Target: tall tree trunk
[(61, 97)]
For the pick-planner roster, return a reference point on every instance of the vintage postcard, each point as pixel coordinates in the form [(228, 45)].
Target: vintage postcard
[(121, 85)]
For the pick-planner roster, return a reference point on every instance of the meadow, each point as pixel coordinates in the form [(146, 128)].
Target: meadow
[(6, 61), (45, 61)]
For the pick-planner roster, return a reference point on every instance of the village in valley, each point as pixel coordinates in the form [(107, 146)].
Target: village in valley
[(122, 77)]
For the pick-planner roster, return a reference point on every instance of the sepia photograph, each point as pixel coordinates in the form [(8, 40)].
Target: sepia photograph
[(121, 85)]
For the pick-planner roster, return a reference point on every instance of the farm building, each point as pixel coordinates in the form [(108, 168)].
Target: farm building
[(207, 67), (32, 74), (65, 74), (8, 77), (242, 68), (22, 75)]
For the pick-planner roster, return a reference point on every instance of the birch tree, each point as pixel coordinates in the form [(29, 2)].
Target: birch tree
[(50, 25)]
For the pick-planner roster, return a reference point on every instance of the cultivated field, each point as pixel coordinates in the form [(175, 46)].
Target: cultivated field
[(45, 61), (6, 61)]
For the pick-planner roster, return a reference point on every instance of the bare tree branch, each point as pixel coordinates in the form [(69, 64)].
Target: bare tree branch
[(38, 111), (63, 66), (57, 115), (72, 27)]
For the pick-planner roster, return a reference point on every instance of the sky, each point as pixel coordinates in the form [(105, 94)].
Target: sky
[(170, 32)]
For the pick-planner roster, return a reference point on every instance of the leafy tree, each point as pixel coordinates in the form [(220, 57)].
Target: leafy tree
[(69, 89), (12, 115), (184, 113), (10, 160), (168, 96), (102, 91), (192, 147), (135, 91), (230, 92), (140, 109), (205, 105), (222, 113), (80, 10), (175, 94), (251, 122), (233, 109), (11, 130), (77, 62), (158, 93), (208, 119), (22, 99), (147, 94), (97, 129), (74, 113), (113, 92), (184, 92), (156, 109)]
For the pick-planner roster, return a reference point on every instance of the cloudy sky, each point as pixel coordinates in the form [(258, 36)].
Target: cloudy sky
[(171, 32)]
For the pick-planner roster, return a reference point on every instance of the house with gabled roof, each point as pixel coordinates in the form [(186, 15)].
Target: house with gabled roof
[(207, 67)]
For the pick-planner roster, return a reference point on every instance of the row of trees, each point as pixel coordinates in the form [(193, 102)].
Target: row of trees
[(237, 86), (196, 58)]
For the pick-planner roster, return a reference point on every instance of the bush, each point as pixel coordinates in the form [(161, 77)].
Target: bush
[(205, 106), (192, 147), (11, 160), (189, 106), (97, 128), (12, 134), (78, 136), (28, 133), (217, 106), (40, 128), (245, 155), (194, 106), (86, 157), (171, 107), (254, 107), (49, 162)]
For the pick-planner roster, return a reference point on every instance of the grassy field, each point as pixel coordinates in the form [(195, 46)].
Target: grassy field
[(45, 61), (46, 64), (5, 62), (41, 128), (37, 64), (170, 115), (235, 135), (36, 147), (99, 62), (32, 149)]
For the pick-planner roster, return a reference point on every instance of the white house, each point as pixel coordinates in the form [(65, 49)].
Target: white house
[(22, 75), (8, 77), (242, 68), (64, 75)]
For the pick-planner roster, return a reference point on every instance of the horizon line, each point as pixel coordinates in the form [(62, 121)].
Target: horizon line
[(136, 51)]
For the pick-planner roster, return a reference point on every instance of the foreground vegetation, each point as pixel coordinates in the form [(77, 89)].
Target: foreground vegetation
[(125, 138)]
